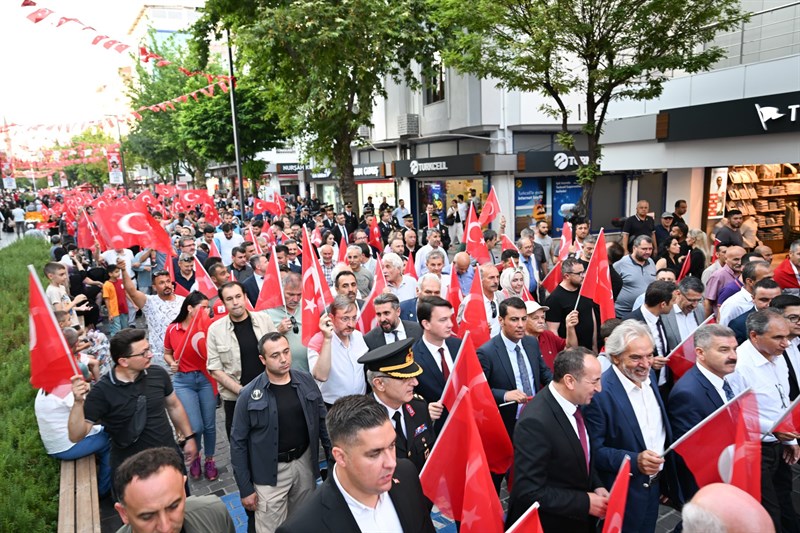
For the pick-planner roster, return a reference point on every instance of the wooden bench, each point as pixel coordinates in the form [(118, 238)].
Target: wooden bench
[(78, 504)]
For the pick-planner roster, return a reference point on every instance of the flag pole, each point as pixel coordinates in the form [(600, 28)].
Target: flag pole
[(52, 316)]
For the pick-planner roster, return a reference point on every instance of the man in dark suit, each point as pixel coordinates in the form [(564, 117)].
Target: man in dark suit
[(252, 285), (552, 463), (435, 352), (763, 294), (390, 328), (702, 390), (350, 218), (428, 285), (513, 363), (686, 313), (628, 419), (340, 230), (360, 429)]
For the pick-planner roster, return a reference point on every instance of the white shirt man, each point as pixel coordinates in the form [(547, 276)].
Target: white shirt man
[(227, 242)]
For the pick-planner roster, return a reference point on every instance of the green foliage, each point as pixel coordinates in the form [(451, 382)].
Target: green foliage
[(601, 50), (29, 479), (92, 173), (325, 62)]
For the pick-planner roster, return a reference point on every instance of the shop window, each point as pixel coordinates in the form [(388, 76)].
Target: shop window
[(435, 85)]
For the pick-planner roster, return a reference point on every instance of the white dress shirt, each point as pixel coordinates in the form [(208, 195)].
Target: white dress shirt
[(648, 413), (406, 290), (652, 322), (512, 357), (686, 323), (347, 374), (569, 410), (494, 323), (382, 519), (715, 380), (769, 379), (401, 333), (736, 305), (435, 354), (391, 414)]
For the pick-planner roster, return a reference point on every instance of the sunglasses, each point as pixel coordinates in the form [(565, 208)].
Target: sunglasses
[(494, 309), (295, 326)]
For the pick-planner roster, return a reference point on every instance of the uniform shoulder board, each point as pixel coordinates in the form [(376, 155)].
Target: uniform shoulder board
[(420, 398)]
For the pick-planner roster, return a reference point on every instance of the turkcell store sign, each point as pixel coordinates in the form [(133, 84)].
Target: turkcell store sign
[(777, 113), (437, 167), (566, 193), (547, 161)]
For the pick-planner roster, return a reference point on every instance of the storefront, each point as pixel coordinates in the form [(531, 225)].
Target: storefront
[(546, 188), (371, 180), (439, 180), (738, 154), (325, 184), (288, 177)]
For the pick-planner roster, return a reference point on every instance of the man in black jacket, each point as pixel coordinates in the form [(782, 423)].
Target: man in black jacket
[(366, 470)]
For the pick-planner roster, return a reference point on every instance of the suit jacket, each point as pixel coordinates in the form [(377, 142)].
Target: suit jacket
[(692, 399), (350, 221), (375, 339), (337, 234), (408, 310), (550, 467), (500, 375), (251, 289), (671, 324), (739, 326), (636, 314), (431, 382), (615, 433), (325, 511)]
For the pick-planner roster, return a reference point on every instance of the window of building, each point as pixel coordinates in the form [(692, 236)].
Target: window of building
[(434, 86)]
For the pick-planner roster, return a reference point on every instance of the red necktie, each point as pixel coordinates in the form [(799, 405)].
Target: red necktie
[(582, 435), (445, 369)]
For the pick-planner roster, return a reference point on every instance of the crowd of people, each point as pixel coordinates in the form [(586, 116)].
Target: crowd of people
[(576, 394)]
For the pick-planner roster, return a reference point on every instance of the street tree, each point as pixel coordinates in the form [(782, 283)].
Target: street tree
[(325, 62), (597, 50), (95, 173)]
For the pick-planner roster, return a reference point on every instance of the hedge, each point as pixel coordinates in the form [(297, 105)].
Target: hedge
[(29, 479)]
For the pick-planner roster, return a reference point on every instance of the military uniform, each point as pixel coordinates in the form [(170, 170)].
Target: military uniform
[(411, 420)]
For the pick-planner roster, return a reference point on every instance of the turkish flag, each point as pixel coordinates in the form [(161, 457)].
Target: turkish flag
[(454, 295), (566, 241), (252, 238), (615, 513), (191, 197), (411, 269), (714, 253), (211, 214), (342, 251), (316, 237), (313, 297), (784, 275), (196, 337), (375, 238), (683, 357), (529, 521), (52, 363), (476, 246), (169, 266), (213, 251), (790, 421), (147, 198), (88, 234), (507, 243), (366, 317), (467, 372), (553, 278), (687, 264), (275, 203), (118, 228), (474, 317), (726, 446), (456, 476), (202, 280), (597, 283), (490, 209), (39, 15), (259, 206), (271, 294)]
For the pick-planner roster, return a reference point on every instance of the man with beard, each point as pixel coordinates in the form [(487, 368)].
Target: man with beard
[(233, 358), (563, 301), (639, 224), (490, 282), (288, 318), (637, 271), (159, 309), (584, 255), (731, 234), (390, 328)]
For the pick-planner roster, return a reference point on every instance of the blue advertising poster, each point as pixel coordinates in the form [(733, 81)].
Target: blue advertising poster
[(529, 203), (566, 193)]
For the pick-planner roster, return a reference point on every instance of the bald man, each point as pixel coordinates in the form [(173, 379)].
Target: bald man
[(464, 270), (723, 507)]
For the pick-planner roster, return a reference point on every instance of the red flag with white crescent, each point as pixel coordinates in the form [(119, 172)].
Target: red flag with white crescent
[(615, 513), (271, 294), (476, 245), (490, 209)]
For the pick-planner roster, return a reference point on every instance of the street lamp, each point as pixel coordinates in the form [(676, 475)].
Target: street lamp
[(232, 93)]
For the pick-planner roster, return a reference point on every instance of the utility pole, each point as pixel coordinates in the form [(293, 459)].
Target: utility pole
[(232, 93)]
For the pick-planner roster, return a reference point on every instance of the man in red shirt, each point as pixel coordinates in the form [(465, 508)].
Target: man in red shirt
[(549, 343)]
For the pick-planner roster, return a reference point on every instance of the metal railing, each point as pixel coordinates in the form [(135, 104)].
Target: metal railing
[(769, 34)]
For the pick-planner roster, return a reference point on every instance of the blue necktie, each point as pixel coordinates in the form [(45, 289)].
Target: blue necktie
[(529, 265), (523, 373), (727, 389)]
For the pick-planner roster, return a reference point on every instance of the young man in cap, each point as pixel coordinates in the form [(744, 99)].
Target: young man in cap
[(392, 373)]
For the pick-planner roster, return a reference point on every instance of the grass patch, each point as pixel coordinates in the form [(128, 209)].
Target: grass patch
[(29, 479)]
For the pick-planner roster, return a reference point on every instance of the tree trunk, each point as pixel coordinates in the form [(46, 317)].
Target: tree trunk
[(344, 164)]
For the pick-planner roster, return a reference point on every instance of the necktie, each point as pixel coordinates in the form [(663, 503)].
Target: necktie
[(794, 387), (726, 387), (523, 373), (531, 277), (396, 338), (344, 234), (661, 337), (398, 429), (445, 368), (582, 436)]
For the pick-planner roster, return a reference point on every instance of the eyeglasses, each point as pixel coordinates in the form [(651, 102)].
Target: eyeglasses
[(161, 273), (295, 327), (792, 318), (494, 309), (143, 353), (348, 319), (581, 273), (781, 394)]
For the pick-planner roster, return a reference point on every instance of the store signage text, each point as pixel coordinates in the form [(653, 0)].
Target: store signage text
[(563, 160), (369, 170), (289, 168), (767, 113), (549, 161), (451, 165), (417, 167)]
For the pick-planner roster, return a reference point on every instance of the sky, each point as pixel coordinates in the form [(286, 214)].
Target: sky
[(54, 75)]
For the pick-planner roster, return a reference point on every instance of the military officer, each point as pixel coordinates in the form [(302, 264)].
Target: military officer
[(392, 373)]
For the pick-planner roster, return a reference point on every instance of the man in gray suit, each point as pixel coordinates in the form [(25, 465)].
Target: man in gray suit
[(390, 328), (687, 313)]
